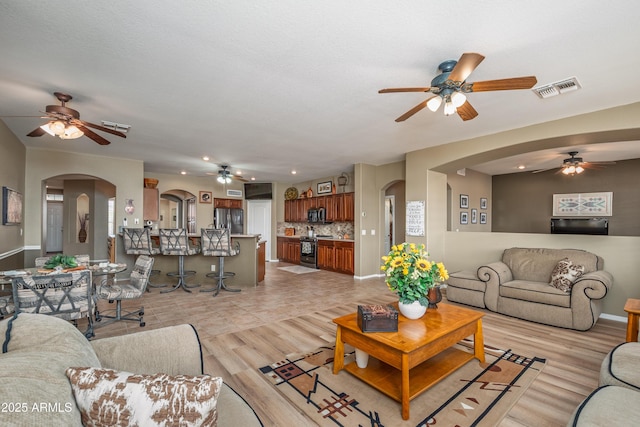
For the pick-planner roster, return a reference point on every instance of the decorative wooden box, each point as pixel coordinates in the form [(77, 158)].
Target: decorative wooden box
[(377, 318)]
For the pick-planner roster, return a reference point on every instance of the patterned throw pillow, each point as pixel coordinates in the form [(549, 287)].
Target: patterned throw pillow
[(113, 398), (564, 274)]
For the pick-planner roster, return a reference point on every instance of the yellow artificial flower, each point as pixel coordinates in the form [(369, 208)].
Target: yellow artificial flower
[(423, 264)]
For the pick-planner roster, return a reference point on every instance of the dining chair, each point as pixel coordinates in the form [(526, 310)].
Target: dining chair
[(64, 295), (217, 242), (137, 241), (126, 289), (175, 242)]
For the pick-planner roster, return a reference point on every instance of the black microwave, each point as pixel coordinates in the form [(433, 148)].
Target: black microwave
[(316, 216)]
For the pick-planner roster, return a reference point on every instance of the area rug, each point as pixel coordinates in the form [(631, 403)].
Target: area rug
[(298, 269), (477, 394)]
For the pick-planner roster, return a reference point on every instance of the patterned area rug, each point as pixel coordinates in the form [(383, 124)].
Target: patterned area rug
[(298, 269), (477, 394)]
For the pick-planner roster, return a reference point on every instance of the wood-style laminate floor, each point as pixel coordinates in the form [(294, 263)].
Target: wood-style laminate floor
[(292, 312)]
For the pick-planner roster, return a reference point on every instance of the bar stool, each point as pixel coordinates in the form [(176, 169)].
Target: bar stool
[(217, 242), (174, 241), (137, 241)]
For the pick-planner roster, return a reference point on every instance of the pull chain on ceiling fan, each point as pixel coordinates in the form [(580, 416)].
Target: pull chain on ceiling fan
[(451, 86)]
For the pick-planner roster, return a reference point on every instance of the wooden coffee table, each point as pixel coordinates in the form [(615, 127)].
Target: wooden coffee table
[(404, 364)]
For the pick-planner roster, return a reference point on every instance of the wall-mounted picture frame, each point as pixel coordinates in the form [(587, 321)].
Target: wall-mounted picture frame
[(464, 201), (474, 216), (464, 217), (324, 187), (483, 217), (11, 207), (206, 197), (483, 203)]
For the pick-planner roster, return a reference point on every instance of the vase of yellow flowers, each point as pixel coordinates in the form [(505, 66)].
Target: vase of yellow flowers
[(411, 275)]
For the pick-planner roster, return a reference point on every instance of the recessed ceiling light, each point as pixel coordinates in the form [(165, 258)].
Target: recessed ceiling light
[(238, 172), (521, 166), (183, 173), (205, 158), (253, 178), (293, 172)]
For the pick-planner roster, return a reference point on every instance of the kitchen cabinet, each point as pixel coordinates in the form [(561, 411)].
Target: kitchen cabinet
[(227, 203), (338, 207), (336, 255), (326, 254), (262, 252), (288, 249), (151, 204)]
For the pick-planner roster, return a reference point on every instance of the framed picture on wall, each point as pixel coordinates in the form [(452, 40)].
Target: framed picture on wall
[(324, 187), (464, 201), (464, 217), (11, 206), (483, 203), (483, 217), (474, 216)]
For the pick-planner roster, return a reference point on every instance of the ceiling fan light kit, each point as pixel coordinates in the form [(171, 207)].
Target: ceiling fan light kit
[(450, 86)]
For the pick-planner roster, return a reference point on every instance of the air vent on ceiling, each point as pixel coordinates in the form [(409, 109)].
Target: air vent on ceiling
[(116, 126), (557, 88), (234, 193)]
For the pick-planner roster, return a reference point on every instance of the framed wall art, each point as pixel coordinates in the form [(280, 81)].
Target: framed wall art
[(464, 217), (11, 207), (464, 201), (483, 203), (583, 204), (206, 197), (474, 216), (483, 217), (324, 187)]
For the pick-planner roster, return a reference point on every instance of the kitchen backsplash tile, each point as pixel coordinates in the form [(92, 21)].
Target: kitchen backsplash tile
[(336, 229)]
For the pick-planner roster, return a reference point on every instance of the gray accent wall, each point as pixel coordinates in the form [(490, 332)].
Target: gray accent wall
[(523, 202), (13, 155)]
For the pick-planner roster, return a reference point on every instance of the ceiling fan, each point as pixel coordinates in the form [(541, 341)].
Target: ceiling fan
[(450, 87), (65, 123), (225, 176), (576, 165)]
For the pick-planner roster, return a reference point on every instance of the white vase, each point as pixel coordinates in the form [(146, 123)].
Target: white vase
[(413, 310)]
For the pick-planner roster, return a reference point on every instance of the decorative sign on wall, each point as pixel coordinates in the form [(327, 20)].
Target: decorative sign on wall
[(583, 204), (415, 218)]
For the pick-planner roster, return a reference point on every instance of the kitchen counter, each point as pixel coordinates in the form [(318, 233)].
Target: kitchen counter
[(319, 238), (245, 264)]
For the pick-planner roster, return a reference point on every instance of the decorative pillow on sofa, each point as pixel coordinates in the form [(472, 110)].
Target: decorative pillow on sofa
[(107, 397), (564, 274)]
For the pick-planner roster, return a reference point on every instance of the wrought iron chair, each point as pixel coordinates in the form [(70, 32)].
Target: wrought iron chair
[(137, 241), (64, 295), (174, 241), (217, 242), (127, 289)]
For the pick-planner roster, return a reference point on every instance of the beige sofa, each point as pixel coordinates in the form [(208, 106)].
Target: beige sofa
[(37, 350), (616, 402), (519, 285)]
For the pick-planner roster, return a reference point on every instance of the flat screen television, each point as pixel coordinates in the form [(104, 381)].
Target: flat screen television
[(594, 226), (258, 191)]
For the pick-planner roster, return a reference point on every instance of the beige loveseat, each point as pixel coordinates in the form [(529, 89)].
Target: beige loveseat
[(519, 285), (37, 350), (616, 402)]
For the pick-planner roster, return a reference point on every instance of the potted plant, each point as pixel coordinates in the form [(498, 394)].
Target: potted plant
[(411, 275)]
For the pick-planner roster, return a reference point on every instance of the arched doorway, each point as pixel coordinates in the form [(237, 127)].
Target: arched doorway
[(72, 203)]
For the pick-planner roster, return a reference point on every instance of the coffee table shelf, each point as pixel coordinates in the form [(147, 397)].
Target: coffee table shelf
[(388, 380)]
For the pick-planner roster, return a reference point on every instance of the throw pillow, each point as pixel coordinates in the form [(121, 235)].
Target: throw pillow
[(107, 397), (564, 274)]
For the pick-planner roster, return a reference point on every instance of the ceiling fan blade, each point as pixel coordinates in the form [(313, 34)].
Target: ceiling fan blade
[(504, 84), (466, 111), (37, 132), (411, 112), (92, 135), (102, 128), (405, 89), (465, 66)]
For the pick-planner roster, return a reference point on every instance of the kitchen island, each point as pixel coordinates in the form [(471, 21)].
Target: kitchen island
[(245, 264)]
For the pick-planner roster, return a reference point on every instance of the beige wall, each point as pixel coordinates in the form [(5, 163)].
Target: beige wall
[(13, 155), (475, 185)]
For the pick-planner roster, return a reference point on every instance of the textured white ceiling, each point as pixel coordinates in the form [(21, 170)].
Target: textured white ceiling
[(291, 84)]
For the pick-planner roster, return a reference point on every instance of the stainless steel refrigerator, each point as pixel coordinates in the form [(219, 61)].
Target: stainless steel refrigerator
[(229, 218)]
